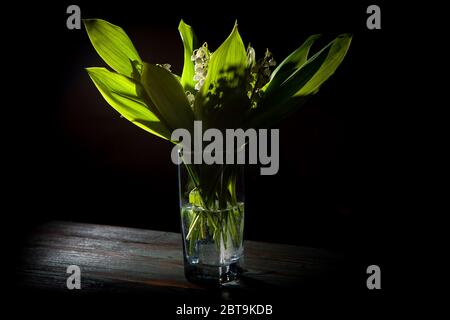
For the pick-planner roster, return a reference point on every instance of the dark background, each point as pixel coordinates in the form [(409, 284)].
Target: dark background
[(74, 158)]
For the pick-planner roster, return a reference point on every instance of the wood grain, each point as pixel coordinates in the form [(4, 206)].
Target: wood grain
[(117, 259)]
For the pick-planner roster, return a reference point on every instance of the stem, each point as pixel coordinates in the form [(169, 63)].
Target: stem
[(221, 217), (191, 227)]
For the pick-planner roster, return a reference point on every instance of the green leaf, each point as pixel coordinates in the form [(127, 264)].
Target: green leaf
[(227, 61), (223, 96), (307, 79), (113, 45), (195, 198), (168, 96), (121, 93), (289, 65), (189, 43), (303, 83), (334, 58)]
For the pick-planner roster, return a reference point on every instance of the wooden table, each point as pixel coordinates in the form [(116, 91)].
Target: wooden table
[(118, 259)]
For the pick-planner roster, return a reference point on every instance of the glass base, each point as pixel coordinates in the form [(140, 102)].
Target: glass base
[(213, 275)]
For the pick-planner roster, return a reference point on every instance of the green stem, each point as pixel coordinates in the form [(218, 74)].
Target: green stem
[(221, 217), (191, 227)]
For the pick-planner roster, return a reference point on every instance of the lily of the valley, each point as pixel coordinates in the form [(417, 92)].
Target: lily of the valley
[(225, 88)]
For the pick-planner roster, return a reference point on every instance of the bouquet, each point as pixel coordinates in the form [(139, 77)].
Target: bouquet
[(228, 87)]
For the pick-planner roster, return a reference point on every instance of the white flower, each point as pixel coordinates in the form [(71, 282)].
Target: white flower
[(199, 69), (251, 56), (194, 55), (200, 57), (198, 77), (272, 62), (191, 98), (199, 85), (201, 53), (165, 66), (260, 72)]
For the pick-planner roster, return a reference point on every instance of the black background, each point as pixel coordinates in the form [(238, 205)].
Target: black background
[(74, 158)]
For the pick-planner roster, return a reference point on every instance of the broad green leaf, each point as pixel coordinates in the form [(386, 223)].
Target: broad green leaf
[(189, 43), (334, 58), (113, 45), (290, 86), (120, 92), (223, 96), (303, 83), (228, 61), (277, 112), (168, 96), (307, 79), (289, 65)]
